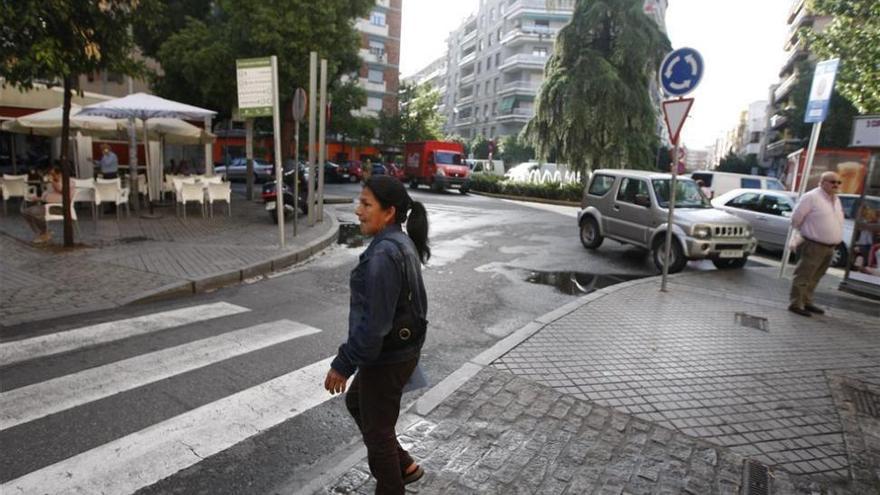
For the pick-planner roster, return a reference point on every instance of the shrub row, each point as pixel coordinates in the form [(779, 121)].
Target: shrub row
[(549, 190)]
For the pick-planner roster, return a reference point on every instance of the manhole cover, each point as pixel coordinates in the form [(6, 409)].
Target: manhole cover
[(757, 479), (751, 321), (132, 240), (864, 401)]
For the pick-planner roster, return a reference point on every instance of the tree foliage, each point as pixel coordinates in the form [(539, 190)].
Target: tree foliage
[(837, 127), (57, 41), (480, 147), (512, 150), (594, 107), (853, 36), (198, 61), (417, 118), (737, 164), (353, 129)]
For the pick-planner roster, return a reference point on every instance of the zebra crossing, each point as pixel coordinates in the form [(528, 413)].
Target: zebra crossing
[(158, 451)]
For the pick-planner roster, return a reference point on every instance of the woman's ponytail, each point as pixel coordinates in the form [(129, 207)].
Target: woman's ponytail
[(417, 228)]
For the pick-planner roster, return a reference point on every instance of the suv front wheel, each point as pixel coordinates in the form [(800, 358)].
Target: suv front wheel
[(590, 236), (677, 261), (728, 263)]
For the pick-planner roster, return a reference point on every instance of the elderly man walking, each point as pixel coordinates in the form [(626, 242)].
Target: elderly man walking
[(819, 218)]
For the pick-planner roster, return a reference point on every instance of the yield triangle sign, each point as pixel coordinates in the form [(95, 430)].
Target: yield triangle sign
[(675, 111)]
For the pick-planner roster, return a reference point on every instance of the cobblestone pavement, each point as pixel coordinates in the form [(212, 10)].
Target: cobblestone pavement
[(631, 390), (119, 261)]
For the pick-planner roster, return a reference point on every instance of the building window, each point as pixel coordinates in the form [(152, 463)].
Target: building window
[(494, 111), (374, 103), (477, 113), (486, 91), (377, 48), (377, 18), (376, 76), (542, 23), (539, 51), (486, 111), (492, 132), (479, 66), (497, 58), (480, 46), (488, 62), (490, 39), (477, 90), (499, 35), (495, 83), (492, 14)]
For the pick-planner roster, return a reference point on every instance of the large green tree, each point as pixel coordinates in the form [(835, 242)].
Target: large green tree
[(853, 35), (515, 150), (351, 129), (58, 40), (417, 118), (594, 108), (198, 61)]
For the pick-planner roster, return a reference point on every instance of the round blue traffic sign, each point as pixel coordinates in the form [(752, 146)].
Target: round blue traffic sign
[(681, 71)]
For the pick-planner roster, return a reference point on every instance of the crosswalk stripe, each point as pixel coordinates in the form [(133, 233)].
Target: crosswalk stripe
[(22, 350), (154, 453), (35, 401)]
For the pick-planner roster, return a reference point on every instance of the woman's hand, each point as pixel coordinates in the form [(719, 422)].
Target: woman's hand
[(334, 382)]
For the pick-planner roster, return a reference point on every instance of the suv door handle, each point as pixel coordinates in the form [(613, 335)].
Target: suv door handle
[(615, 208)]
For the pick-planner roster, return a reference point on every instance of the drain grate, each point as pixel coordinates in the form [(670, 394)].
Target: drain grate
[(864, 401), (132, 240), (751, 321), (757, 479)]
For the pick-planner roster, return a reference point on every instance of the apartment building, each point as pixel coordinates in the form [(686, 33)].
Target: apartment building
[(495, 64), (780, 141), (380, 54)]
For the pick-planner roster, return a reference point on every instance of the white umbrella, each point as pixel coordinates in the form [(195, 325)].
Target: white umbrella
[(144, 107), (48, 123)]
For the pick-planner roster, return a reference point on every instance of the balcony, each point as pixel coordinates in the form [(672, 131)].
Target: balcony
[(784, 88), (796, 7), (778, 121), (520, 88), (468, 79), (797, 54), (803, 18), (373, 56), (468, 37), (465, 100), (561, 8), (529, 34), (467, 59), (782, 146), (523, 61), (370, 86), (365, 26), (463, 121), (515, 115), (384, 3)]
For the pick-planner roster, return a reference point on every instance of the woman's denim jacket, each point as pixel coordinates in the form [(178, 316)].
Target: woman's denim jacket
[(376, 294)]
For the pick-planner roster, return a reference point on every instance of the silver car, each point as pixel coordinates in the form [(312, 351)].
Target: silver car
[(769, 213), (631, 206)]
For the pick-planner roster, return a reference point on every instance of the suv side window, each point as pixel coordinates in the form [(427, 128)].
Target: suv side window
[(747, 201), (631, 188), (601, 184)]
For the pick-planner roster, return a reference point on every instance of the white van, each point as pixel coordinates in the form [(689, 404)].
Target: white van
[(479, 166), (717, 183)]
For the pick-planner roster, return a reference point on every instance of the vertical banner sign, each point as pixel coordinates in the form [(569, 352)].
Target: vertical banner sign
[(254, 77)]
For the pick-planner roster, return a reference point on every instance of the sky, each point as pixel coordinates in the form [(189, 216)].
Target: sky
[(741, 43)]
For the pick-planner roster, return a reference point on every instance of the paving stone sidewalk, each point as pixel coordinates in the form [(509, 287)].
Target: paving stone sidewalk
[(630, 390), (117, 262)]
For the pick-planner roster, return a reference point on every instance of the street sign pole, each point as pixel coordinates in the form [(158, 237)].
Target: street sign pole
[(670, 217), (276, 131), (322, 138), (299, 111), (313, 87), (817, 110)]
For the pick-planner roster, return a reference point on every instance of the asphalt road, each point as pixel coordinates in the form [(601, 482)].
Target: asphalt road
[(496, 265)]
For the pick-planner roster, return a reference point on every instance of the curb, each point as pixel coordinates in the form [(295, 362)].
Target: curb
[(557, 202), (233, 277)]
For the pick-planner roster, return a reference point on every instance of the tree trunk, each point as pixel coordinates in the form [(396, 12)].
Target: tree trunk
[(65, 163)]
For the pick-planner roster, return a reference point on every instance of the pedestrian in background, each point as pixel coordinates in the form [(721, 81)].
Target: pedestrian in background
[(35, 215), (818, 217), (386, 326), (109, 163)]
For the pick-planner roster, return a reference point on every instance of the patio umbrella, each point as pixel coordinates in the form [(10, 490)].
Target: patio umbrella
[(145, 107)]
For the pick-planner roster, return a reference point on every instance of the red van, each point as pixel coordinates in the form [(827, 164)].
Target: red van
[(438, 164)]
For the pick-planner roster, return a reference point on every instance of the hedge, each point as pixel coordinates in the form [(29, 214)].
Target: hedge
[(494, 184)]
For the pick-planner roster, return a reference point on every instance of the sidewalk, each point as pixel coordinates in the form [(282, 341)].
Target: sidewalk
[(631, 390), (136, 259)]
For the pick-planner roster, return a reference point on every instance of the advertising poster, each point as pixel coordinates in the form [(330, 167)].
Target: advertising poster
[(863, 218), (850, 164)]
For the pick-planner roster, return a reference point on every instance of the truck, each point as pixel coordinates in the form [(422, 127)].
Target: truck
[(437, 164)]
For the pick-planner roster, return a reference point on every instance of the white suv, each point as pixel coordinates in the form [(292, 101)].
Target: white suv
[(630, 206)]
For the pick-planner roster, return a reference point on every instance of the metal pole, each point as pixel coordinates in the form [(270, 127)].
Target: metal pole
[(249, 156), (669, 217), (276, 133), (132, 153), (805, 177), (322, 137), (12, 150), (209, 150), (295, 175), (313, 87)]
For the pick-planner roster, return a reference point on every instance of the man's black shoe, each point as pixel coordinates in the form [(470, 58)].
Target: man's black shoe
[(800, 311), (814, 309)]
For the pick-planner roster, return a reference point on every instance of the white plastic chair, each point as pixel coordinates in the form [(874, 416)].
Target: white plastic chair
[(168, 184), (84, 192), (111, 191), (191, 192), (220, 191), (14, 186), (177, 184), (59, 215), (214, 179), (143, 190)]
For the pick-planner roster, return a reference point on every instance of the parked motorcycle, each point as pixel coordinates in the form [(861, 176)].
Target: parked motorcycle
[(269, 193)]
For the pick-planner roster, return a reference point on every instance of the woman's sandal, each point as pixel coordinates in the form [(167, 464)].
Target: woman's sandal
[(412, 475)]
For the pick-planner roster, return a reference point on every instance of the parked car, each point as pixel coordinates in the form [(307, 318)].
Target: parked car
[(379, 169), (396, 171), (237, 170), (717, 183), (769, 213), (354, 171), (631, 206), (335, 173)]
